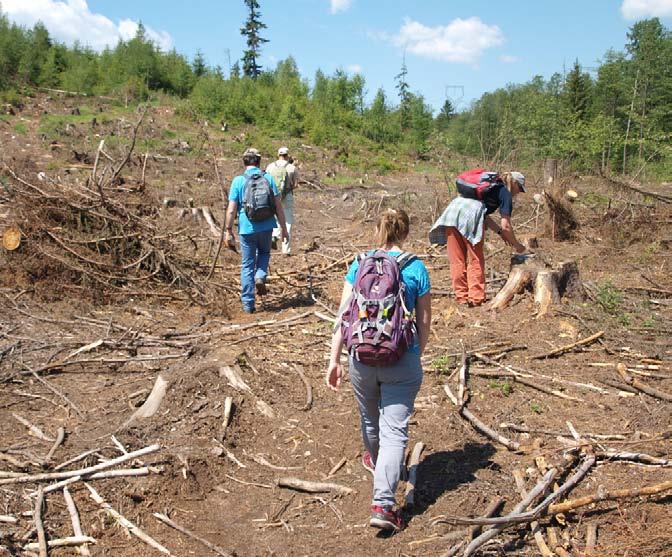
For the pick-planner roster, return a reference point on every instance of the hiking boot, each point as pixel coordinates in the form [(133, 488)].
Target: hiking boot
[(367, 462), (386, 519), (261, 286), (248, 309)]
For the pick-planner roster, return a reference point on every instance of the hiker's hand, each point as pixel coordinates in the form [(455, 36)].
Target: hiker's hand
[(230, 240), (334, 375), (520, 248), (285, 234)]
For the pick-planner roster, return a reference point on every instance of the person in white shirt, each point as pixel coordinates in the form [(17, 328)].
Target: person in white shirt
[(286, 177)]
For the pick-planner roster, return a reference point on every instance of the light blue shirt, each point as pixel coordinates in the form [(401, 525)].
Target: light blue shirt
[(237, 194), (416, 282)]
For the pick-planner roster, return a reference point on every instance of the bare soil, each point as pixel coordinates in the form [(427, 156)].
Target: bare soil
[(622, 250)]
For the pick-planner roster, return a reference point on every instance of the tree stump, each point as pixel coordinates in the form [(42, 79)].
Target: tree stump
[(550, 283)]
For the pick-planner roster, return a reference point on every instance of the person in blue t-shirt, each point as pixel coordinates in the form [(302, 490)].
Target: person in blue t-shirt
[(386, 394), (255, 236)]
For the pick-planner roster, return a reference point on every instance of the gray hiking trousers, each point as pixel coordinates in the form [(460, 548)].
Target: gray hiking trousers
[(385, 396)]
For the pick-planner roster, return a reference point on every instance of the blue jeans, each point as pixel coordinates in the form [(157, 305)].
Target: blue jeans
[(256, 253), (385, 397)]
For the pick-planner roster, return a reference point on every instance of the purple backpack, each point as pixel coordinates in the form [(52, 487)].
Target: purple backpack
[(377, 327)]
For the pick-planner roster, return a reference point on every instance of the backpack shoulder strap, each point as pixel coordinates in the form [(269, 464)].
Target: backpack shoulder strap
[(404, 259)]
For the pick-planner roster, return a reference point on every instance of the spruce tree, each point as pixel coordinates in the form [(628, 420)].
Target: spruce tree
[(253, 26), (403, 90)]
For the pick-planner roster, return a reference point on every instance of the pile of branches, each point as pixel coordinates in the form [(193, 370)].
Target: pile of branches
[(103, 235)]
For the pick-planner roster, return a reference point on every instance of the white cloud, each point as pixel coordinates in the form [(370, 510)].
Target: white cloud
[(508, 59), (462, 40), (637, 9), (354, 68), (340, 5), (71, 20)]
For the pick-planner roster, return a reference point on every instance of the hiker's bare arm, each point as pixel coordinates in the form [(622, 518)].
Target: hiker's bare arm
[(231, 210), (509, 237), (423, 316), (280, 213), (335, 370), (492, 225)]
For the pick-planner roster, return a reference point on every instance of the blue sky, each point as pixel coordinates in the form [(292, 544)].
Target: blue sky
[(457, 48)]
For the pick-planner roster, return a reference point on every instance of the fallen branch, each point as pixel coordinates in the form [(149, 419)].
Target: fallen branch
[(413, 473), (132, 528), (604, 495), (151, 405), (314, 487), (519, 372), (82, 472), (218, 550), (39, 525), (470, 533), (480, 426), (34, 430), (568, 347), (123, 473), (634, 457), (534, 525), (233, 376), (76, 524), (60, 436), (486, 536), (641, 386), (309, 389), (6, 519), (591, 539), (261, 460), (336, 467), (62, 542)]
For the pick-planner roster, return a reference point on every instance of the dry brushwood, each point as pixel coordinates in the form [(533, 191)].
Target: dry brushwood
[(98, 236)]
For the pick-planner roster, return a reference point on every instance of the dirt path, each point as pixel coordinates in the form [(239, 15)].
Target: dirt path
[(233, 500)]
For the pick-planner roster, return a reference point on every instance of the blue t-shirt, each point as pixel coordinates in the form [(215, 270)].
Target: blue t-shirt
[(416, 281), (499, 197), (237, 194)]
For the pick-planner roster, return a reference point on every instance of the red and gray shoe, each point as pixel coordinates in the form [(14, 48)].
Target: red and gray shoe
[(367, 462), (386, 519)]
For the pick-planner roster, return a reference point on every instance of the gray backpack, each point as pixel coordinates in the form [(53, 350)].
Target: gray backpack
[(258, 198)]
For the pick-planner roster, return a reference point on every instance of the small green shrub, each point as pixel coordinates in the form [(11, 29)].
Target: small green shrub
[(536, 408), (442, 364), (503, 387), (609, 297)]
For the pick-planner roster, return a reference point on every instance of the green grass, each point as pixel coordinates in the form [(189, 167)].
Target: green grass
[(503, 387), (21, 128), (595, 199), (536, 408), (442, 364), (649, 322), (339, 180)]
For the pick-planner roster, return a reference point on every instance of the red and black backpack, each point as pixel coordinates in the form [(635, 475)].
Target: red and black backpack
[(477, 183)]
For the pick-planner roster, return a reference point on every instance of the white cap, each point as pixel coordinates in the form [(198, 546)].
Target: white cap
[(283, 151), (518, 177)]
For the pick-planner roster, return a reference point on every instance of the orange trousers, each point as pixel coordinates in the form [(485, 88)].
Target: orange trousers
[(467, 268)]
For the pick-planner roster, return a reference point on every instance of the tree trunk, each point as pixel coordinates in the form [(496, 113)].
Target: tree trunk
[(549, 284)]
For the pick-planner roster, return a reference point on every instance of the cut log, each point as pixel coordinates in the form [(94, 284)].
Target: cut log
[(518, 279), (549, 284)]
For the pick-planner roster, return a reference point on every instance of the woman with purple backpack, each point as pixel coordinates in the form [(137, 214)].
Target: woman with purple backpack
[(382, 291)]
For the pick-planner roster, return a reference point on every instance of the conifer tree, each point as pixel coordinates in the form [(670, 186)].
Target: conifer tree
[(403, 90), (250, 31), (198, 65)]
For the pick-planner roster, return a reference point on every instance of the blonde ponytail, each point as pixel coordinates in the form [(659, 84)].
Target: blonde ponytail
[(392, 227)]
